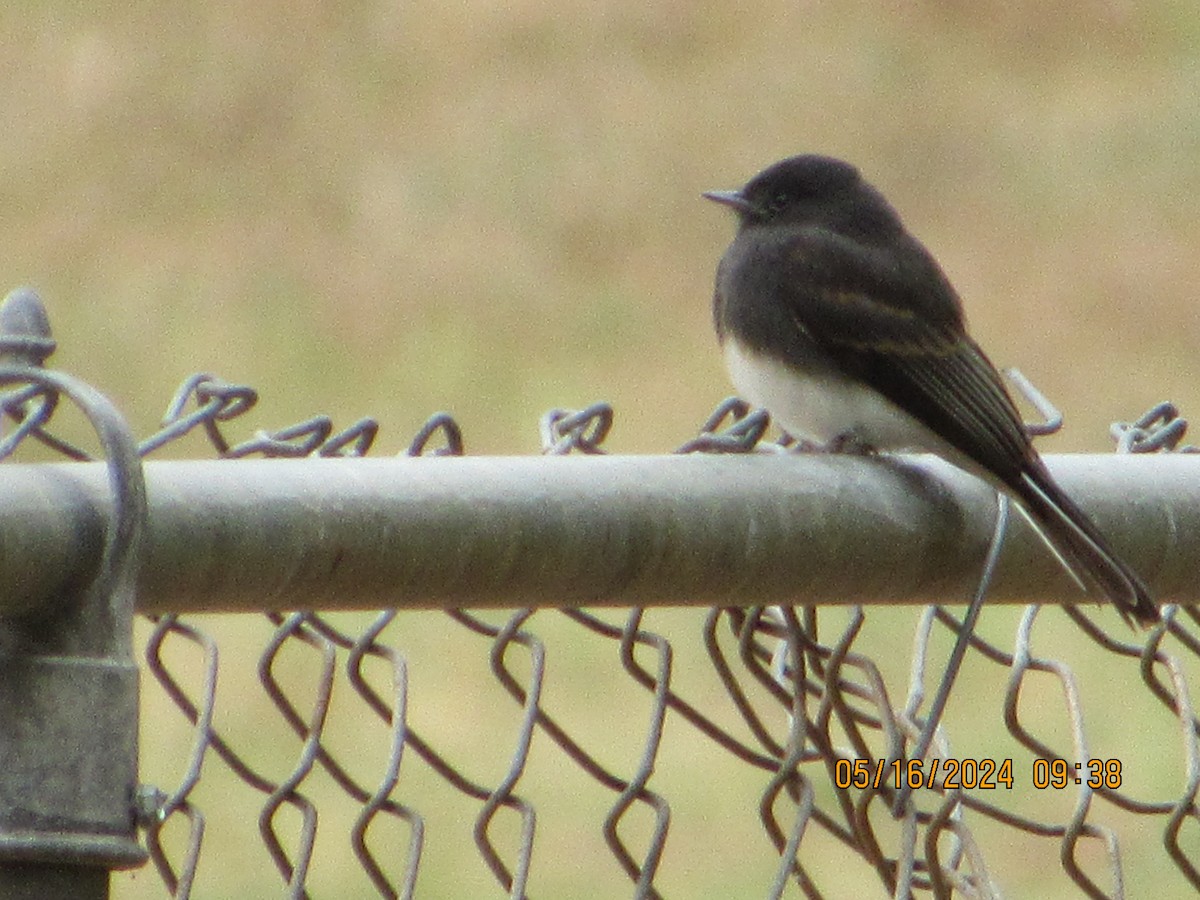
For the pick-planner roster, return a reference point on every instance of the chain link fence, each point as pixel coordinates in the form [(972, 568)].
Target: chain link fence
[(559, 752)]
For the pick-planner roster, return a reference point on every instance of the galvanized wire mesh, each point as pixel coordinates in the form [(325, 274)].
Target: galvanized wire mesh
[(799, 718)]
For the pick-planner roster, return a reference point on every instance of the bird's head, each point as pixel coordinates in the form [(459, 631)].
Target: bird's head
[(810, 190)]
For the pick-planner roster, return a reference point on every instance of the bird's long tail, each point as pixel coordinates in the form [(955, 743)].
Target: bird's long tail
[(1076, 539)]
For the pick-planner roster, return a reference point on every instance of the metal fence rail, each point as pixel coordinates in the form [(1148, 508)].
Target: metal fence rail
[(622, 530), (746, 749)]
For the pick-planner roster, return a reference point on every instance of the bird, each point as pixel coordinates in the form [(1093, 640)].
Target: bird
[(832, 316)]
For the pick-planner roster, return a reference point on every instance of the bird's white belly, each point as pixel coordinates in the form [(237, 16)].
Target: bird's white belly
[(821, 404)]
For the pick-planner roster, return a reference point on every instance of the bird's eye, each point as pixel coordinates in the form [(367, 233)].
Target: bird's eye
[(778, 202)]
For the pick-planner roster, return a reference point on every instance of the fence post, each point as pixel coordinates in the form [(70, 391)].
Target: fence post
[(68, 682)]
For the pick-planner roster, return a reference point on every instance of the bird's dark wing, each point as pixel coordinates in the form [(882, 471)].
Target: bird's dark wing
[(894, 322)]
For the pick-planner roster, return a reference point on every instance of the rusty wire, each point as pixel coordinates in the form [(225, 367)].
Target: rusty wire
[(808, 693)]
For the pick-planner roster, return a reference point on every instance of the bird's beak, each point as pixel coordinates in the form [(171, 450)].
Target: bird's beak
[(734, 199)]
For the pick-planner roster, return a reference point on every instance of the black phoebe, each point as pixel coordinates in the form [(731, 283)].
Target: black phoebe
[(839, 322)]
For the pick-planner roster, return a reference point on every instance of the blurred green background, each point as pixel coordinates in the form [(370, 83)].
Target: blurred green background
[(492, 208), (391, 209)]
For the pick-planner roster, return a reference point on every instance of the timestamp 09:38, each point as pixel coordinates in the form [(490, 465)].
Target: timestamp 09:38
[(972, 774)]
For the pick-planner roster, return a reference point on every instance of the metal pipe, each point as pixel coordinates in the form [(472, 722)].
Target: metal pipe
[(571, 531)]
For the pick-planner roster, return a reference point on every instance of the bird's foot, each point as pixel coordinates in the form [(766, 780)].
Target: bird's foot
[(847, 442)]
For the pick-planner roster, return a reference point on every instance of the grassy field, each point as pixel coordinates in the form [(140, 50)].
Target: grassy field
[(392, 209)]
